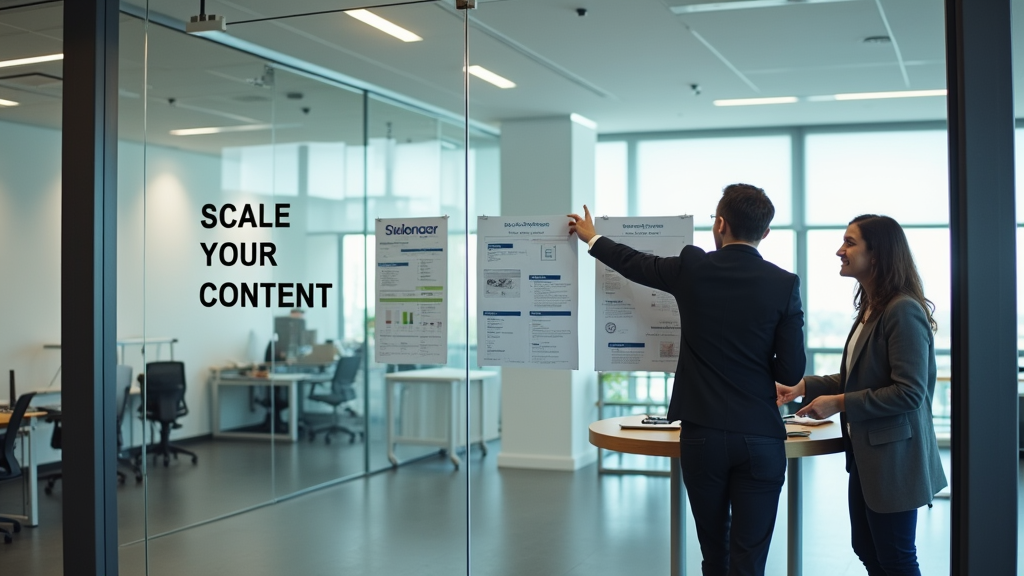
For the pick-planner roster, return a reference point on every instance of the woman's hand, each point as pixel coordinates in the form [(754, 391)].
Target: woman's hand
[(824, 406), (785, 394)]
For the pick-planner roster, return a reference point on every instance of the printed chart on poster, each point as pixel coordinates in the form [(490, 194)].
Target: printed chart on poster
[(527, 293), (411, 283), (638, 327)]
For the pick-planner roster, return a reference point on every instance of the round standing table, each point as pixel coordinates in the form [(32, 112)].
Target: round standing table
[(824, 439)]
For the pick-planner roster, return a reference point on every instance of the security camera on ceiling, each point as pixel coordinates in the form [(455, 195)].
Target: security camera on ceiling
[(205, 23)]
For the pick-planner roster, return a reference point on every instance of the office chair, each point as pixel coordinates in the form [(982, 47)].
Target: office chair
[(9, 468), (342, 391), (276, 400), (56, 442), (165, 403), (123, 384)]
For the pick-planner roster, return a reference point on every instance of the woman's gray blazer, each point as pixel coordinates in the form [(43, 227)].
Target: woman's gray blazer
[(888, 419)]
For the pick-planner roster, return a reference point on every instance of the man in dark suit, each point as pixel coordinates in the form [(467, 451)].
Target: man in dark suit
[(742, 330)]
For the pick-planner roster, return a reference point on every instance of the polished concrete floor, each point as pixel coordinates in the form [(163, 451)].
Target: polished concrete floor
[(413, 520)]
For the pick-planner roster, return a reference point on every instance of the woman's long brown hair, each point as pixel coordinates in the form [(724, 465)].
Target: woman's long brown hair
[(893, 270)]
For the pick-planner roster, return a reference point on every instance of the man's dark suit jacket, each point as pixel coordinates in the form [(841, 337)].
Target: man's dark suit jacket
[(742, 331)]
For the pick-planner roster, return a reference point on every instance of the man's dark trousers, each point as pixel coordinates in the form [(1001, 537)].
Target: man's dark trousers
[(726, 471)]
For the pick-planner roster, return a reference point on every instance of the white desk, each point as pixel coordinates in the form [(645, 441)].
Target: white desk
[(451, 378), (290, 380)]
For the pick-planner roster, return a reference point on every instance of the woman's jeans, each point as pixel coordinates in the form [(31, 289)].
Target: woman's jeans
[(884, 542)]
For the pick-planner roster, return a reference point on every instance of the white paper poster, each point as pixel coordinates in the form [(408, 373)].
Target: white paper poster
[(527, 293), (411, 282), (638, 327)]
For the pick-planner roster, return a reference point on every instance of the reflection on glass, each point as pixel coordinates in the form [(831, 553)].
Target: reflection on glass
[(206, 211), (316, 166)]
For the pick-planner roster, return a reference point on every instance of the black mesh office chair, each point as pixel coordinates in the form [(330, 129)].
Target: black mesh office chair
[(123, 384), (9, 468), (276, 398), (342, 391), (165, 403)]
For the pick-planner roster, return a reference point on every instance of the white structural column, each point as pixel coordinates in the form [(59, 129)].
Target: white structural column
[(547, 167)]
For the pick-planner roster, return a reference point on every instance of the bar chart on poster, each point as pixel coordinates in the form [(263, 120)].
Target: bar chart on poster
[(527, 293), (638, 327), (411, 291)]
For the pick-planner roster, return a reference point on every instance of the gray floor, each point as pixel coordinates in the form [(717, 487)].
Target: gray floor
[(413, 521)]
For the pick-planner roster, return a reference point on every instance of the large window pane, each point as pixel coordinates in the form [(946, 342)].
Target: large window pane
[(779, 247), (899, 174), (829, 304), (687, 176)]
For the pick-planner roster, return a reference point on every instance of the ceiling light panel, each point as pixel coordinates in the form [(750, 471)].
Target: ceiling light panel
[(757, 101), (31, 60), (693, 7), (220, 129), (8, 103), (882, 95), (488, 76), (386, 26)]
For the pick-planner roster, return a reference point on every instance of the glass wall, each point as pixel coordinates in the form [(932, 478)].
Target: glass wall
[(251, 194), (31, 73)]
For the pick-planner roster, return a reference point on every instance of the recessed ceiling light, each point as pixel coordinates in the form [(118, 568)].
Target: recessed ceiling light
[(488, 76), (32, 60), (742, 5), (8, 102), (367, 17), (899, 94), (220, 129), (756, 101)]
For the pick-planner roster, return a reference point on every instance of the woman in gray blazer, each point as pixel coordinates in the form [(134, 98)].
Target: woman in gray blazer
[(883, 393)]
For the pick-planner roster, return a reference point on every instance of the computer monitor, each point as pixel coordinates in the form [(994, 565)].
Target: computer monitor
[(291, 333), (13, 392)]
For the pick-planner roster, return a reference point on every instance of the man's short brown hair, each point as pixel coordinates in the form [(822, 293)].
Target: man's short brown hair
[(748, 211)]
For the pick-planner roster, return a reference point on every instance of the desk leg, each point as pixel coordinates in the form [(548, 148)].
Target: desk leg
[(678, 515), (293, 411), (214, 407), (28, 452), (483, 419), (389, 391), (453, 402), (793, 531)]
